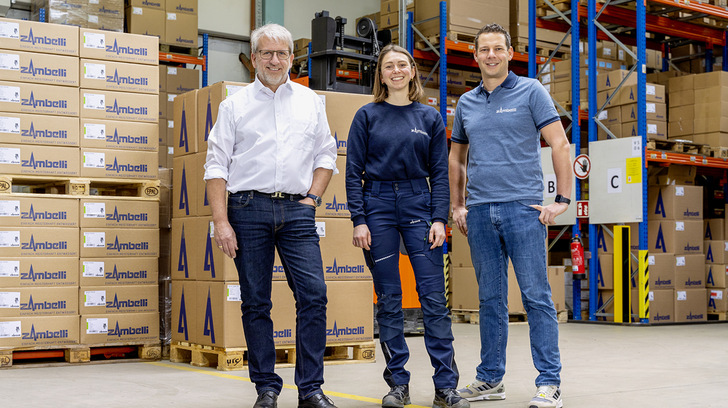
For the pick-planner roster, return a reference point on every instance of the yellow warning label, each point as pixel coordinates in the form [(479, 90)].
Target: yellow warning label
[(634, 170)]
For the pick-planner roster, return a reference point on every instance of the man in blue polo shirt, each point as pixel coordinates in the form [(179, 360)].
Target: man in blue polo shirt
[(496, 138)]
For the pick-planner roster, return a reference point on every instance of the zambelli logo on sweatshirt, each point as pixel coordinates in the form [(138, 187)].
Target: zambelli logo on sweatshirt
[(422, 132), (501, 110)]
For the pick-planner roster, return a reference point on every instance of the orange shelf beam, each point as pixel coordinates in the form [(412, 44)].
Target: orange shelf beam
[(659, 156), (711, 10), (183, 59)]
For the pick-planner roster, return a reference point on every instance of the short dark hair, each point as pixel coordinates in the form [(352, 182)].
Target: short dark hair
[(494, 28)]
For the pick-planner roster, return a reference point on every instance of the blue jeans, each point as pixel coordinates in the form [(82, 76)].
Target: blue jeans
[(496, 232), (395, 209), (263, 224)]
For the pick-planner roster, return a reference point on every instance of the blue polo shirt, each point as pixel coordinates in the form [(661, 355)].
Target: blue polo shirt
[(503, 130)]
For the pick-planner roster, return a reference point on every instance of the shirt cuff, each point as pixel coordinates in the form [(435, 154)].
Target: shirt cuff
[(326, 163), (359, 220), (216, 172)]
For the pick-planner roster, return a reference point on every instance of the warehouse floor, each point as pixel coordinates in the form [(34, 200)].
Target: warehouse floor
[(604, 365)]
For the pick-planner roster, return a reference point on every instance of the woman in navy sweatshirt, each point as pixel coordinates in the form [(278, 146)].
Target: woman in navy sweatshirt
[(397, 186)]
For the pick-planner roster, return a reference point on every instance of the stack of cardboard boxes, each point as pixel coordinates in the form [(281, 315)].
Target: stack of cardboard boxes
[(174, 22), (95, 14), (53, 246), (172, 82), (716, 264), (711, 104)]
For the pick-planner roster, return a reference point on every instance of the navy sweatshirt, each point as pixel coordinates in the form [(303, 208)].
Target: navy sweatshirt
[(392, 143)]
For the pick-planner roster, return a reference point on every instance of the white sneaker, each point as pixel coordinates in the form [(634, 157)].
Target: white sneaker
[(479, 391), (547, 396)]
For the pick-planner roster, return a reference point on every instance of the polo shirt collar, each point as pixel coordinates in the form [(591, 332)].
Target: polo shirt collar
[(508, 83)]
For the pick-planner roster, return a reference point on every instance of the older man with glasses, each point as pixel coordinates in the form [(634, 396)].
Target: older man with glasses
[(270, 158)]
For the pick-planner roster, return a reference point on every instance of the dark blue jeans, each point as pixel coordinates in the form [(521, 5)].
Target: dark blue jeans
[(395, 209), (263, 224)]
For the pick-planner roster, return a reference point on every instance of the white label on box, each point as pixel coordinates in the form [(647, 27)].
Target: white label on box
[(651, 296), (652, 128), (9, 155), (92, 18), (679, 191), (93, 270), (94, 71), (716, 294), (10, 94), (94, 160), (94, 298), (93, 1), (231, 89), (603, 115), (94, 210), (650, 89), (679, 226), (9, 300), (725, 245), (10, 62), (171, 70), (9, 125), (170, 124), (9, 30), (233, 293), (651, 260), (651, 107), (94, 239), (607, 51), (212, 229), (137, 11), (321, 228), (172, 16), (620, 53), (170, 149), (9, 208), (9, 239), (9, 330), (9, 269), (97, 326), (94, 101), (94, 131), (681, 295), (679, 261), (171, 97), (94, 40)]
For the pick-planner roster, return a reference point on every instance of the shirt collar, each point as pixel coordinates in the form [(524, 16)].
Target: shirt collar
[(259, 87), (508, 83)]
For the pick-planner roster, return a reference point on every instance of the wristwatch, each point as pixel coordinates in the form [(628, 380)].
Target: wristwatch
[(316, 199), (561, 199)]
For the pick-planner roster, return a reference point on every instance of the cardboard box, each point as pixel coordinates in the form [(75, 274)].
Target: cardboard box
[(655, 112), (119, 76), (463, 16), (218, 317), (714, 94), (460, 250), (203, 203), (118, 164), (681, 83), (118, 271), (39, 68), (38, 301), (118, 242), (682, 120), (38, 37), (213, 264), (675, 174), (105, 23), (185, 123), (340, 110), (170, 105), (715, 276), (38, 271), (655, 130), (181, 29), (42, 331), (605, 272), (675, 203), (38, 129), (558, 286), (162, 80), (678, 237), (464, 289), (690, 305), (97, 104), (118, 299), (340, 261), (119, 213), (40, 99), (208, 101), (689, 271), (181, 6), (334, 199), (120, 328), (716, 251), (681, 98), (662, 306), (710, 79), (186, 232), (121, 47), (662, 270), (152, 4), (117, 134), (25, 211), (628, 94), (605, 241), (163, 112), (184, 303), (717, 300), (39, 160), (714, 139), (709, 118), (349, 313), (146, 21), (613, 78), (185, 184), (52, 242), (181, 80)]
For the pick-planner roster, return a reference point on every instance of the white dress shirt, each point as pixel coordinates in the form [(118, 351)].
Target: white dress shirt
[(270, 142)]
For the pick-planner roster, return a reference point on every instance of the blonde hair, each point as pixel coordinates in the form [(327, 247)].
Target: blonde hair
[(380, 90)]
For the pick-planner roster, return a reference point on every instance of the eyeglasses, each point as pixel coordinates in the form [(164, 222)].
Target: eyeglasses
[(268, 54)]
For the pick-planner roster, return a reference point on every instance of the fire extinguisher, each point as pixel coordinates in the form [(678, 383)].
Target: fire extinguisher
[(577, 258)]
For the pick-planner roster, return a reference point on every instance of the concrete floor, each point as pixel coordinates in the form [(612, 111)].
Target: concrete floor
[(604, 366)]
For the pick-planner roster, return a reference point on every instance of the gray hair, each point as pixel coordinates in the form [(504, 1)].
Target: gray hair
[(275, 32)]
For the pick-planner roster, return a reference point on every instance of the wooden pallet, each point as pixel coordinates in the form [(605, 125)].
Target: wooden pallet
[(679, 146), (178, 49), (79, 186), (16, 357), (236, 358), (473, 316), (721, 316), (544, 50), (719, 151)]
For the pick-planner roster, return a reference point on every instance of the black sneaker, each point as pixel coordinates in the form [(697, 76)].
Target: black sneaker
[(449, 398), (397, 397), (266, 399)]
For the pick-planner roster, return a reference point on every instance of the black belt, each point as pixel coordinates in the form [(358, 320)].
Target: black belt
[(276, 196)]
